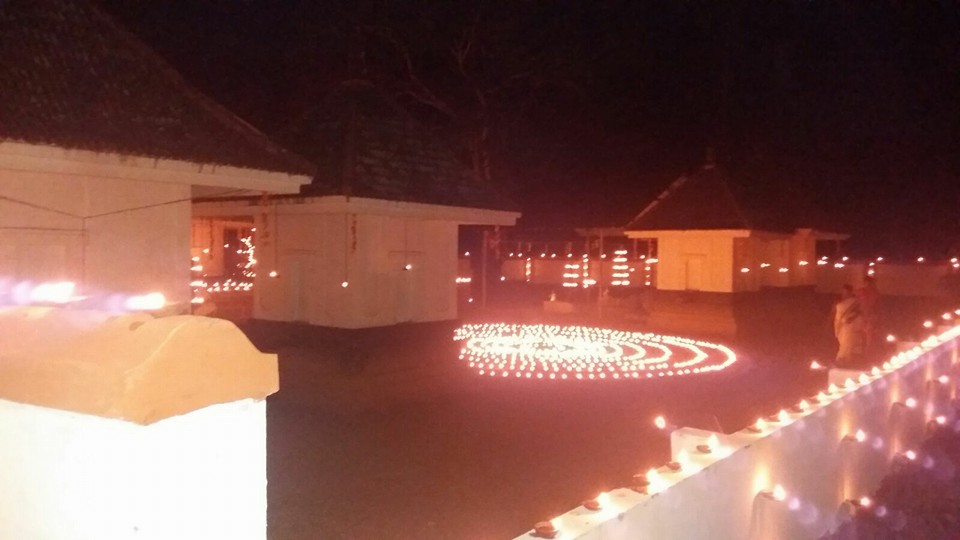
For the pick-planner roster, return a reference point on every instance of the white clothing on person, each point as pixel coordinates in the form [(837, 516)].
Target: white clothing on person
[(849, 326)]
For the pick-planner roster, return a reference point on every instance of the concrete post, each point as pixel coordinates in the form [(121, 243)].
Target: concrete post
[(117, 427)]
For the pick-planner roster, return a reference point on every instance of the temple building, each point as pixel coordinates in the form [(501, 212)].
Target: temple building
[(373, 240), (102, 147), (714, 235)]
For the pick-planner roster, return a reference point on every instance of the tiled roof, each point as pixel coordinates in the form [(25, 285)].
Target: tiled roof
[(365, 147), (73, 78), (709, 200)]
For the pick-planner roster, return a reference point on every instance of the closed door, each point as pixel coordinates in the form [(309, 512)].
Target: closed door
[(294, 278), (694, 272)]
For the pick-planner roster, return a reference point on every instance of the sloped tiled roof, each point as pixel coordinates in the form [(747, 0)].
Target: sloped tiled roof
[(365, 147), (709, 200), (71, 77)]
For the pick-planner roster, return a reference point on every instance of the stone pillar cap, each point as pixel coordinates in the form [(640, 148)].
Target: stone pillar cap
[(131, 367)]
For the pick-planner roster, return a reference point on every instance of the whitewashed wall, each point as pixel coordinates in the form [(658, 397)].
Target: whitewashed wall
[(812, 454), (893, 279), (676, 255), (135, 237), (316, 253), (71, 476)]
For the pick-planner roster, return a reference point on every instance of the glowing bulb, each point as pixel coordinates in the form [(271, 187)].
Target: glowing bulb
[(57, 292), (273, 273), (713, 441), (815, 365), (946, 316), (860, 436), (660, 422), (865, 502), (832, 388), (145, 302), (941, 420), (943, 379), (910, 402), (653, 476), (920, 259), (408, 266), (928, 324), (777, 494), (344, 284), (910, 454), (744, 270), (891, 338)]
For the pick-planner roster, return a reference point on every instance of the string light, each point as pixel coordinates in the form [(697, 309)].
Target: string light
[(712, 444), (57, 292), (777, 493), (571, 275), (145, 302), (621, 274)]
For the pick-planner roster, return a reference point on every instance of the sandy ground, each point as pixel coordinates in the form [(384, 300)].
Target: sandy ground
[(383, 434)]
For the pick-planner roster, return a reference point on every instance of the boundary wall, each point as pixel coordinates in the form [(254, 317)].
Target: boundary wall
[(794, 475)]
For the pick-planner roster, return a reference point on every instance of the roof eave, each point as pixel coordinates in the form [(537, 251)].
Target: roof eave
[(55, 160), (735, 233)]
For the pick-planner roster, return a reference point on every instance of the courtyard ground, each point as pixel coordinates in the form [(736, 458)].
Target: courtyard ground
[(383, 434)]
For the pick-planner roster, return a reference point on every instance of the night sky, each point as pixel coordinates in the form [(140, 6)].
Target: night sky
[(592, 108)]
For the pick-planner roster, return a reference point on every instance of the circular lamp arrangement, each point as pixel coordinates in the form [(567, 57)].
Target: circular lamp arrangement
[(548, 352)]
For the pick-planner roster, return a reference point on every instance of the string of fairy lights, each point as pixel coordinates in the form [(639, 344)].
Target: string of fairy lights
[(549, 352), (935, 407), (246, 268), (577, 270)]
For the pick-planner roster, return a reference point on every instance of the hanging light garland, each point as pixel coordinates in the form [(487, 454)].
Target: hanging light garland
[(584, 353)]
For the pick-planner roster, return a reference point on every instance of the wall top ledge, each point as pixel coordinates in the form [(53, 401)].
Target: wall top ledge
[(130, 367)]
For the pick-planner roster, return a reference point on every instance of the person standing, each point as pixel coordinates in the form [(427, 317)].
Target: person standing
[(848, 327), (869, 296)]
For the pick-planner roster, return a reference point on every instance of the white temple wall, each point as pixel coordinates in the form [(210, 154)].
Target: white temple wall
[(316, 254), (107, 234)]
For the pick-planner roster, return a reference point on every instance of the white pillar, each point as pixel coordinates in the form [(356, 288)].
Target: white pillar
[(131, 427)]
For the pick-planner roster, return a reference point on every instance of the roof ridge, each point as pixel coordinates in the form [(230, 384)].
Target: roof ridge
[(665, 194), (734, 200)]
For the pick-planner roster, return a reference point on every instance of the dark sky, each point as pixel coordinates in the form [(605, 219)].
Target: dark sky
[(603, 103)]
